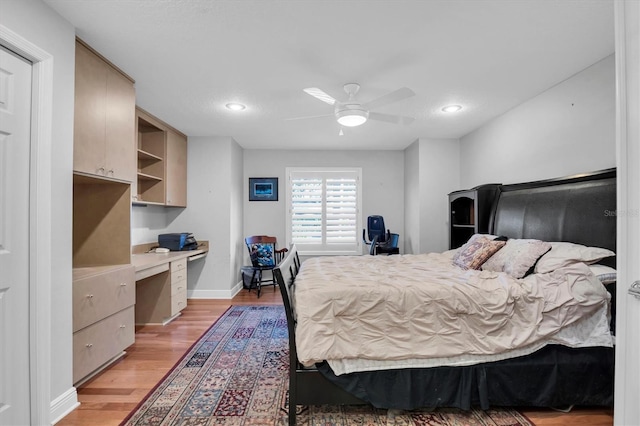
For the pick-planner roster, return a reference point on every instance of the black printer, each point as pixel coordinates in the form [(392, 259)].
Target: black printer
[(178, 242)]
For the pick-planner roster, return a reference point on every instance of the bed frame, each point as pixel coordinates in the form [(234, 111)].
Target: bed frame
[(580, 209)]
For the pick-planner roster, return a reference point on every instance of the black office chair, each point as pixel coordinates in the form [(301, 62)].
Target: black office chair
[(379, 236), (389, 247)]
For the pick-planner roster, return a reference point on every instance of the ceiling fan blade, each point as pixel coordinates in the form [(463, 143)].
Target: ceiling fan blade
[(395, 96), (395, 119), (319, 94), (309, 116)]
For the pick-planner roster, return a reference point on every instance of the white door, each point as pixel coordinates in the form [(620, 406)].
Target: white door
[(627, 387), (15, 123)]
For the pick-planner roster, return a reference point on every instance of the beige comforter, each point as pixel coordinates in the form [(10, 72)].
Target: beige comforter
[(420, 306)]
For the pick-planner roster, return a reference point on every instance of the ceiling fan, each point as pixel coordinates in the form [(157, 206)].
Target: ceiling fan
[(352, 113)]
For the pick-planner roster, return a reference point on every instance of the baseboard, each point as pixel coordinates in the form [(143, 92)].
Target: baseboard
[(215, 294), (63, 405)]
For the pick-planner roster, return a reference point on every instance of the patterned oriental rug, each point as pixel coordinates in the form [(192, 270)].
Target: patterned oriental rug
[(237, 374)]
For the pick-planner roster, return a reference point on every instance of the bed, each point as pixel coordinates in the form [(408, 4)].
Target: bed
[(470, 337)]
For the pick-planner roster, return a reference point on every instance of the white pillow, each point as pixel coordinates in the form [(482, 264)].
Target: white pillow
[(563, 254), (517, 257), (606, 274)]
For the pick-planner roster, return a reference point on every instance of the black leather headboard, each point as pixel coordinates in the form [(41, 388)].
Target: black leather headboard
[(579, 209)]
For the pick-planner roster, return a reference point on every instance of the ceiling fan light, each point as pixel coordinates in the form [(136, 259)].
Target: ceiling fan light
[(452, 108), (352, 117), (234, 106)]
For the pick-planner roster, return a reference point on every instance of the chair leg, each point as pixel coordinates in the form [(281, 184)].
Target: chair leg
[(259, 282)]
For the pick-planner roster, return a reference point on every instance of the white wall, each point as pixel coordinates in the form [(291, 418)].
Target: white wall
[(567, 129), (432, 171), (439, 175), (41, 26), (412, 222), (382, 183)]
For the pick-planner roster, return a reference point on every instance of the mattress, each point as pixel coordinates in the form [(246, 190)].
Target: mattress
[(363, 313)]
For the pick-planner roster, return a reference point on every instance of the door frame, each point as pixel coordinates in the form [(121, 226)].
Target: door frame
[(627, 23), (39, 222)]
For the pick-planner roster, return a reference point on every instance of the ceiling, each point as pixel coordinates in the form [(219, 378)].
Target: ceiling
[(191, 57)]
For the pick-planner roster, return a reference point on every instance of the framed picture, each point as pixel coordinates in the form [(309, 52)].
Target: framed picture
[(263, 189)]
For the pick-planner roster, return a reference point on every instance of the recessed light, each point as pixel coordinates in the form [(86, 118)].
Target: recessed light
[(235, 106), (452, 108)]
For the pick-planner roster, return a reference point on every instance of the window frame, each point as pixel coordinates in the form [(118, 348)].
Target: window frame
[(324, 249)]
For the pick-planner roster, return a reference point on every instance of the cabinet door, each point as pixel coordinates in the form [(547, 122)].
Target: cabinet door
[(176, 170), (120, 137), (90, 110)]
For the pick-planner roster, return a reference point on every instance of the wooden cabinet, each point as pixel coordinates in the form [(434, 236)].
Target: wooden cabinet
[(104, 122), (162, 163), (104, 167), (160, 298), (176, 167), (470, 212), (103, 317)]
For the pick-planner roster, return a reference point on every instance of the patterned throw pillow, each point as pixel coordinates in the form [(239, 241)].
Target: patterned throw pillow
[(476, 251), (517, 257), (262, 255)]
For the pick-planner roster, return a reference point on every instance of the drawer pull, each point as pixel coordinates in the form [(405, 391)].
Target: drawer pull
[(89, 345), (89, 296), (123, 326), (123, 284)]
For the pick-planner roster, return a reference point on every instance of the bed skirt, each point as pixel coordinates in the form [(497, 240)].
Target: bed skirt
[(554, 376)]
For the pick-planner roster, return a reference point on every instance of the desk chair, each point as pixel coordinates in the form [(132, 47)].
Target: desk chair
[(264, 256), (380, 239), (389, 247)]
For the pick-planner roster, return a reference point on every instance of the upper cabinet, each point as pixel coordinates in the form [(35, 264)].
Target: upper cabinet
[(162, 163), (176, 166), (104, 125)]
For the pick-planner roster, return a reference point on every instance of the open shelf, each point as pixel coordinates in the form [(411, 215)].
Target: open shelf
[(151, 156)]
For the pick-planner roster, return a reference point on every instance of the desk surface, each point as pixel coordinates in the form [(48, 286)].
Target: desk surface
[(141, 261), (144, 261)]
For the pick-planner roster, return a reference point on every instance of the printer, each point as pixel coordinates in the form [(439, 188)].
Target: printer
[(177, 242)]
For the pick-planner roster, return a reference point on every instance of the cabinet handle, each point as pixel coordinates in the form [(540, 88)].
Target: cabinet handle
[(110, 172), (123, 326), (123, 284), (89, 345), (179, 277), (100, 170), (89, 296)]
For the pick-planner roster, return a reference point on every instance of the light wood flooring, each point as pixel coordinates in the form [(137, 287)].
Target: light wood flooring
[(110, 396)]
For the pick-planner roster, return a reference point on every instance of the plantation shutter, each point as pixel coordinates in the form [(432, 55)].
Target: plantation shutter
[(324, 210)]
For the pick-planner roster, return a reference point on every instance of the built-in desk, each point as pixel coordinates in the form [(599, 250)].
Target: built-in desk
[(161, 283)]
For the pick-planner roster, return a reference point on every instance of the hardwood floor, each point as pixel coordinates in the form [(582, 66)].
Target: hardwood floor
[(106, 399)]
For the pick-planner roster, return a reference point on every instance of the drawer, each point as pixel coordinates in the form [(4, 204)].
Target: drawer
[(93, 346), (179, 265), (178, 286), (98, 296), (178, 302), (179, 276)]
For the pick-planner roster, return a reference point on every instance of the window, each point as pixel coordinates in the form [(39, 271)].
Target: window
[(324, 210)]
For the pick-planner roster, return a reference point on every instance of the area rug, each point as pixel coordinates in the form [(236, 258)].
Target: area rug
[(236, 374)]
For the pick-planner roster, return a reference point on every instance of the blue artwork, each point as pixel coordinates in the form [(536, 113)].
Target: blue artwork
[(263, 189)]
